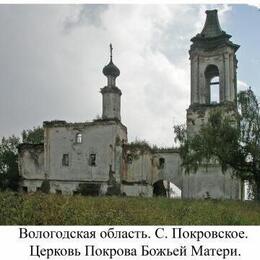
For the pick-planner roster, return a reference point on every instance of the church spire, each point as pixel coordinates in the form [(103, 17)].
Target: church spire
[(212, 27), (111, 93), (212, 35)]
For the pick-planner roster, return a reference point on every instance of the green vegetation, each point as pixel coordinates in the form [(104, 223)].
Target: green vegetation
[(51, 209), (143, 145), (9, 174), (231, 139), (33, 136)]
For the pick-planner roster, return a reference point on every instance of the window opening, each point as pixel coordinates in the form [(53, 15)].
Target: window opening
[(79, 138), (212, 84), (161, 163), (65, 159), (92, 159)]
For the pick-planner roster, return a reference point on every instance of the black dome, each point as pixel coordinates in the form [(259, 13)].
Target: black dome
[(111, 70)]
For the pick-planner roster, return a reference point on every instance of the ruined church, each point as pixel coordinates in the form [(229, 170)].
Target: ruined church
[(97, 156)]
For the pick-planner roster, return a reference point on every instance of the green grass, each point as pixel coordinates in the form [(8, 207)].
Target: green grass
[(41, 209)]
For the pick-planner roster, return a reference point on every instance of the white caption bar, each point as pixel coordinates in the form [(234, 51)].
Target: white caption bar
[(129, 242)]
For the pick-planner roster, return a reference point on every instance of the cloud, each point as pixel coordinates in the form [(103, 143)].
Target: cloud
[(257, 5), (84, 14), (53, 58), (241, 85)]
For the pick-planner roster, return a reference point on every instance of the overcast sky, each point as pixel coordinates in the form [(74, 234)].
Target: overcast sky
[(52, 56)]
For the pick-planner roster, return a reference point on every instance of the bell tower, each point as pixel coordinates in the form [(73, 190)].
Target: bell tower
[(213, 86), (213, 71)]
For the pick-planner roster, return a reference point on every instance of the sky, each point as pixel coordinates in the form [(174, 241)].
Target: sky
[(52, 56)]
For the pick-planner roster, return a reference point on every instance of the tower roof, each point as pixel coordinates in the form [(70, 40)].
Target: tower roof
[(212, 35), (111, 69), (211, 27)]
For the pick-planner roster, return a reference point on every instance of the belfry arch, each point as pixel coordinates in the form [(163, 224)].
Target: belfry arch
[(212, 83), (212, 54)]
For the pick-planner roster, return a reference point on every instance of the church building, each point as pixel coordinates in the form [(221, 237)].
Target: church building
[(97, 156)]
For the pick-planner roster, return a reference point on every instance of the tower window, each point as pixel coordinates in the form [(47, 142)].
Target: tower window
[(92, 159), (79, 138), (65, 159), (212, 84)]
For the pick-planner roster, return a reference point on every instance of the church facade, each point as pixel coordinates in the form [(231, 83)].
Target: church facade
[(97, 154)]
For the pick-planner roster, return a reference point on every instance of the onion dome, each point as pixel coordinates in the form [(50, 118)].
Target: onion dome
[(111, 69)]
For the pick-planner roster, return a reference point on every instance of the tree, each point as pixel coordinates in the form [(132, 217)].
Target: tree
[(9, 174), (33, 136), (232, 140)]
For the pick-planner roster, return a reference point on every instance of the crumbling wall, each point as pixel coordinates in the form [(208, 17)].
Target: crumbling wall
[(144, 167), (198, 115), (31, 166), (31, 161), (210, 182), (137, 170), (171, 169), (95, 159), (138, 166)]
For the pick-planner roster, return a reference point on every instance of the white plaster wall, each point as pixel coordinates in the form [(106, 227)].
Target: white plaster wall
[(213, 182), (99, 139), (111, 105), (141, 168), (172, 168)]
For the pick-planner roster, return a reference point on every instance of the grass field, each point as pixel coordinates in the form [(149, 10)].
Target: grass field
[(42, 209)]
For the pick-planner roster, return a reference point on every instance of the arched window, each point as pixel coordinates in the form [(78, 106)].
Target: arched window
[(78, 138), (212, 84), (214, 90)]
